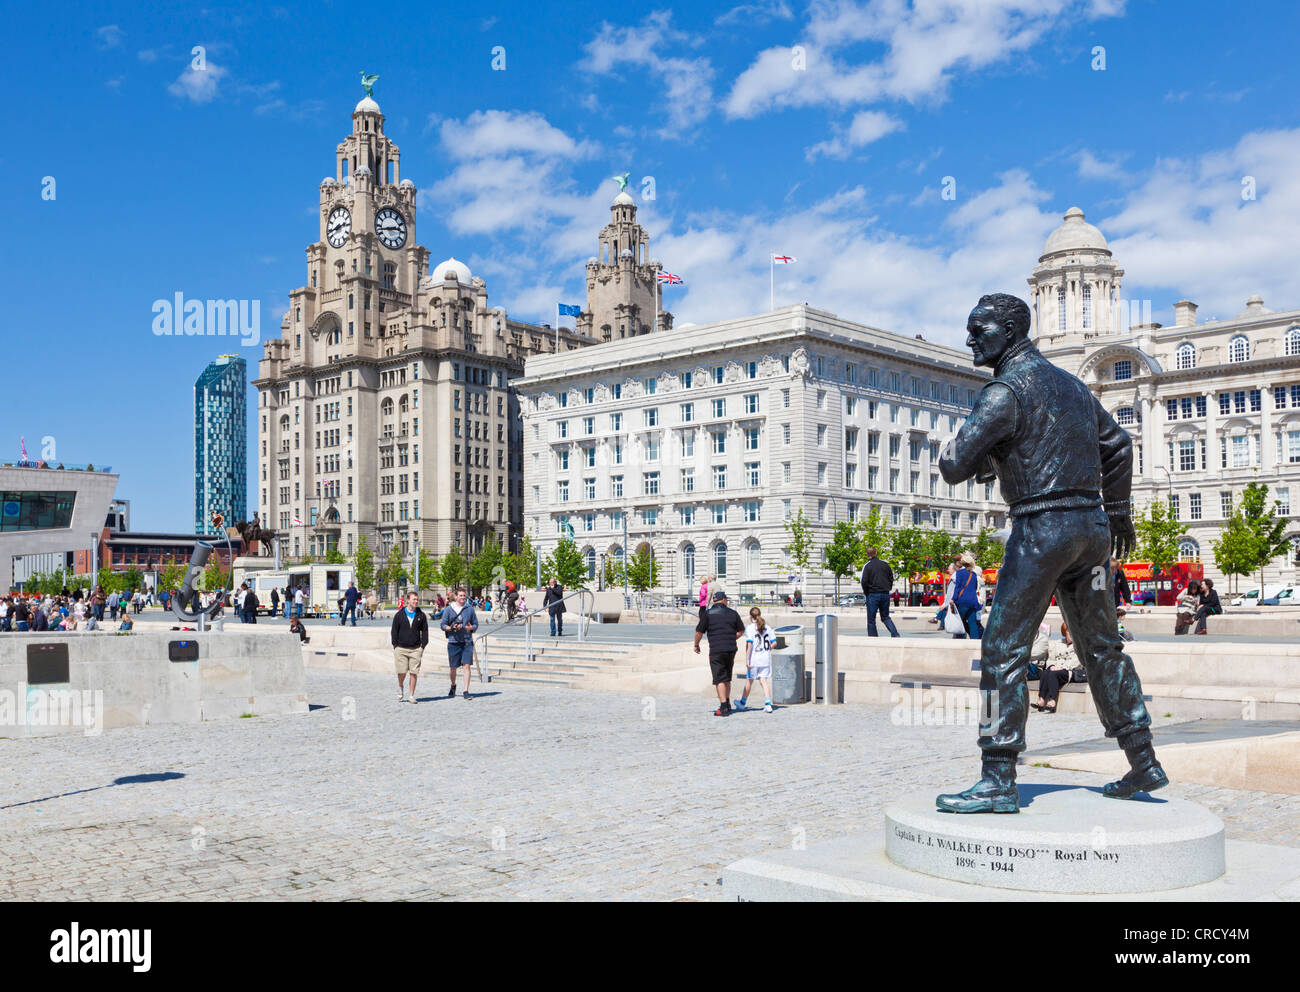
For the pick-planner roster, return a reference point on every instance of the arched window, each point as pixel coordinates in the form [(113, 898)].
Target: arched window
[(751, 563), (1295, 549), (1186, 356), (1238, 349), (591, 563), (338, 274), (1060, 307), (1125, 416), (386, 407), (1189, 550), (688, 562), (720, 560), (404, 405), (1293, 341), (1087, 307)]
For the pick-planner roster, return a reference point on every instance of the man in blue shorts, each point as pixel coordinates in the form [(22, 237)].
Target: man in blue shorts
[(459, 621)]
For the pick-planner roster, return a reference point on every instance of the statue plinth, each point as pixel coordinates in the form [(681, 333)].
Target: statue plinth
[(1064, 840)]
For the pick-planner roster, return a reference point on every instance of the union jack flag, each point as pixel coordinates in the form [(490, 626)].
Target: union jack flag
[(668, 279)]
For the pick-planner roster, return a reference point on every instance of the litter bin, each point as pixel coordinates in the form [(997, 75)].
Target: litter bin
[(828, 659), (788, 666)]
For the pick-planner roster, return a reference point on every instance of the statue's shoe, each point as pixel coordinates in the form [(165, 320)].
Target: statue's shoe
[(984, 796), (1146, 780)]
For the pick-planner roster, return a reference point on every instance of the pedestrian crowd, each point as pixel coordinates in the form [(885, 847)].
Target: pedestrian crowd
[(72, 610)]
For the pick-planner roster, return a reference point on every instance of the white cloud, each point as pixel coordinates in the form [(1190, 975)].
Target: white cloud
[(1091, 166), (1186, 232), (867, 126), (488, 133), (109, 36), (682, 86), (198, 85), (750, 14), (924, 45)]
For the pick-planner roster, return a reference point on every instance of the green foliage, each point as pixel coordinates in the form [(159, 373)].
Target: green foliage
[(487, 567), (987, 549), (333, 556), (364, 563), (214, 577), (841, 555), (876, 532), (453, 568), (908, 552), (521, 566), (800, 547), (1158, 530), (643, 570), (171, 578), (567, 565), (393, 572), (940, 548), (1253, 536), (426, 574), (613, 572)]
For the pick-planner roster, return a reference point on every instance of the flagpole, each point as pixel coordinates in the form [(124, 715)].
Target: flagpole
[(659, 288), (771, 299), (557, 328)]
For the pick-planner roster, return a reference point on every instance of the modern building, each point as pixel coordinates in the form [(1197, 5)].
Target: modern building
[(47, 515), (1212, 405), (705, 440), (386, 409), (221, 442)]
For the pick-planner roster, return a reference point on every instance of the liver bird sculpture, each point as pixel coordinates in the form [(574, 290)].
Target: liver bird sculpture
[(368, 82)]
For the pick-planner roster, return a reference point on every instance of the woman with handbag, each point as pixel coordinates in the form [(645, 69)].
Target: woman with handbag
[(964, 601), (1189, 601), (1056, 672)]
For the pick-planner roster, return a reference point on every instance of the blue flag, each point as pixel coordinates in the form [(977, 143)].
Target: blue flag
[(566, 310)]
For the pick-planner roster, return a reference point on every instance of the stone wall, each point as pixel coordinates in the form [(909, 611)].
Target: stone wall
[(128, 680)]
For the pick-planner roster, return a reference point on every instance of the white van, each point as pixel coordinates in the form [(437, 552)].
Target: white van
[(1251, 598)]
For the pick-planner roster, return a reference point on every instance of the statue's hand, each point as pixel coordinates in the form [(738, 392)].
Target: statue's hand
[(1122, 535)]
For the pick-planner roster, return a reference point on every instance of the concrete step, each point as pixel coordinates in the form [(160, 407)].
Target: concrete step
[(529, 680), (570, 671)]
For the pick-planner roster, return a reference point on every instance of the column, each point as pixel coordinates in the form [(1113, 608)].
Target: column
[(1267, 443), (1212, 462)]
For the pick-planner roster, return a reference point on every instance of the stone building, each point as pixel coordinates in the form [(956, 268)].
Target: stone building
[(386, 407), (1212, 405), (702, 446), (623, 294)]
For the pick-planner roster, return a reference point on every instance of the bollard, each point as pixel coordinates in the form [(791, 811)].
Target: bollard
[(828, 659)]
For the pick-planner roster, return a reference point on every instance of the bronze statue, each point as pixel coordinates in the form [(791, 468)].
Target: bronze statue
[(1066, 470), (255, 532)]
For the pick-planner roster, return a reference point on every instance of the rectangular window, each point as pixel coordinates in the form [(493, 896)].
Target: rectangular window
[(615, 422), (562, 492), (1185, 407), (893, 480), (1292, 447), (873, 477), (1186, 456), (652, 450), (751, 439), (785, 471), (688, 412), (785, 433), (562, 428), (650, 386), (588, 456), (589, 425), (1283, 502), (850, 372), (688, 379), (1123, 370), (719, 477), (1241, 450), (1225, 404), (821, 473), (616, 390), (563, 458), (650, 484), (719, 513), (851, 439), (651, 416), (688, 480), (850, 476), (1239, 401), (751, 402), (650, 517), (821, 435), (1195, 505), (894, 445), (687, 515), (1200, 406), (1175, 507), (1225, 504), (752, 474), (1255, 401), (688, 444), (588, 488), (751, 370), (719, 408), (717, 375), (719, 442), (752, 512), (616, 486)]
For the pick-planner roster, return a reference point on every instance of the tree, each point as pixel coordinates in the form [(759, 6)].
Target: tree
[(908, 552), (333, 556), (841, 555), (613, 572), (214, 577), (987, 549), (940, 548), (171, 578), (643, 570), (1158, 529), (1255, 535), (394, 573), (567, 565), (521, 565), (486, 568), (801, 545), (426, 569), (453, 568), (876, 533), (364, 563)]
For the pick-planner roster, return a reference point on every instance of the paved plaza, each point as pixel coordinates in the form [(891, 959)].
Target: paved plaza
[(523, 793)]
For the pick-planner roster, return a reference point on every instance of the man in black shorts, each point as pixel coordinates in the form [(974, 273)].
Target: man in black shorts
[(724, 628)]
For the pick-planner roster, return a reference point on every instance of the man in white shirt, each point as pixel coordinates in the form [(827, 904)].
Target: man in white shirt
[(299, 599)]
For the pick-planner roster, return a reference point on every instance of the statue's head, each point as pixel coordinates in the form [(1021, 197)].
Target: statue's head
[(997, 322)]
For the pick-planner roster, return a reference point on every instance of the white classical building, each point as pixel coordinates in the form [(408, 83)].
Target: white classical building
[(1212, 406), (700, 442)]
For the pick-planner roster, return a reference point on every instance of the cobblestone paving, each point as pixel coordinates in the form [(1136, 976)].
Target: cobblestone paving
[(525, 793)]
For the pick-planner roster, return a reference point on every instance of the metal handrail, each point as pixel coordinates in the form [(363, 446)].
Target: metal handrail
[(527, 620), (647, 601)]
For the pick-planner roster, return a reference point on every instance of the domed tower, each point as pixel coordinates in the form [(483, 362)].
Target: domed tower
[(1075, 287), (622, 281)]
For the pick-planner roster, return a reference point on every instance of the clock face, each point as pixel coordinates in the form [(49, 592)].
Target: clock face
[(338, 227), (390, 227)]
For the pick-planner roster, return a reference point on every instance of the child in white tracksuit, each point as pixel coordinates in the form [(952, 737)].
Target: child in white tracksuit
[(759, 641)]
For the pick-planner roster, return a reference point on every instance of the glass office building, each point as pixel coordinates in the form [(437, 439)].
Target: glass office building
[(221, 443)]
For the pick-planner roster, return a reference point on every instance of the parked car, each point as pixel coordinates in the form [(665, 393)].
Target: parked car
[(1284, 597), (853, 599), (1252, 597)]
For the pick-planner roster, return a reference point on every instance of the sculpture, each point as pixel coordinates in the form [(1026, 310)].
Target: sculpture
[(622, 180), (254, 531), (368, 83), (1066, 470)]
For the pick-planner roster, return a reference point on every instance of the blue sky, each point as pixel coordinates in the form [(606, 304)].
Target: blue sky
[(206, 183)]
